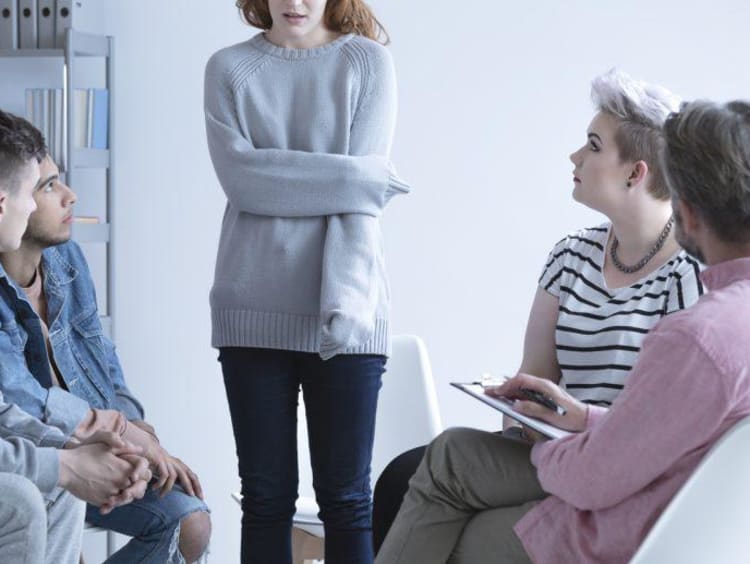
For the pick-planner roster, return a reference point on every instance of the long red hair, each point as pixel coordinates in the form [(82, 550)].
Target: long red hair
[(342, 16)]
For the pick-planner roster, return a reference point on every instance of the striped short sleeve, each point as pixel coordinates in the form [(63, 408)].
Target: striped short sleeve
[(553, 269), (685, 285)]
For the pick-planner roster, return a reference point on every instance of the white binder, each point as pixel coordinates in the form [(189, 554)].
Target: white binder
[(8, 24), (27, 24), (63, 20), (45, 21)]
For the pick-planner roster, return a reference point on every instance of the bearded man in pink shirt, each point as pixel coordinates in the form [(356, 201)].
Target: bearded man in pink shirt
[(593, 496)]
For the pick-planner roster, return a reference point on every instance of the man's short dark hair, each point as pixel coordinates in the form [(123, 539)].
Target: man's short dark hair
[(706, 157), (19, 143)]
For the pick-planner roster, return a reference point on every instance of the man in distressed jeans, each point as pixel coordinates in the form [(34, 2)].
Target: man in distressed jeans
[(58, 366), (40, 517)]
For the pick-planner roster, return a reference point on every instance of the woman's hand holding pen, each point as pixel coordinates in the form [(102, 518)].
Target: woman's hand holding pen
[(573, 417)]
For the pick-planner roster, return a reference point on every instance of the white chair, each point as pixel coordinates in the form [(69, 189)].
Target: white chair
[(89, 528), (408, 416), (709, 518)]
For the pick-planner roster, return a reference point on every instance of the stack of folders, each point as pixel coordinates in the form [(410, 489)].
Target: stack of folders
[(44, 109), (37, 24)]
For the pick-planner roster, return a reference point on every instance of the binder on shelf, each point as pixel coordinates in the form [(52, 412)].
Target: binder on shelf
[(63, 19), (91, 110), (89, 117), (80, 112), (45, 22), (8, 24), (27, 24), (56, 141), (45, 110), (100, 119)]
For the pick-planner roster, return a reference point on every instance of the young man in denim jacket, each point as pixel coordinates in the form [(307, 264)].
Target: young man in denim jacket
[(39, 520), (59, 367)]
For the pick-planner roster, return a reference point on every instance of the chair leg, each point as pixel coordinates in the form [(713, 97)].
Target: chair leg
[(110, 543), (306, 547)]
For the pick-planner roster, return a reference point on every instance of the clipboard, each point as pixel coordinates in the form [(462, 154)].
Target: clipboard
[(506, 406)]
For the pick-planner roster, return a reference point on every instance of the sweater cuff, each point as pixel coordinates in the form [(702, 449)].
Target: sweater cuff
[(129, 407), (64, 410), (395, 187), (395, 184), (48, 473)]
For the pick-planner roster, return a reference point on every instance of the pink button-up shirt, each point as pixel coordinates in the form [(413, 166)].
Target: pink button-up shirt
[(609, 484)]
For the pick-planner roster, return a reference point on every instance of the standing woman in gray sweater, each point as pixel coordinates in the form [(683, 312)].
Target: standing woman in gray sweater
[(299, 122)]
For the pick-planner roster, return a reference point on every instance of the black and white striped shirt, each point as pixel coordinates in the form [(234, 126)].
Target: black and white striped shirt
[(600, 330)]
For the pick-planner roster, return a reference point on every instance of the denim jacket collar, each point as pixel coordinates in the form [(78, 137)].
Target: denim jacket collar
[(57, 271), (15, 293)]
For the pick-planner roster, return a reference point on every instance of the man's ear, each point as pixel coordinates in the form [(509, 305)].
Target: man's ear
[(3, 203), (638, 173)]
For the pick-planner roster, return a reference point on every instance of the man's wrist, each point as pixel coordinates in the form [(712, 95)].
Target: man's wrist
[(65, 468), (146, 428)]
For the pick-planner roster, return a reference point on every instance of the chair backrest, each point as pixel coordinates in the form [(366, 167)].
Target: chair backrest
[(709, 518), (408, 414)]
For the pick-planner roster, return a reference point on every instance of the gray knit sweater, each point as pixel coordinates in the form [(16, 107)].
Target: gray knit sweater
[(300, 141)]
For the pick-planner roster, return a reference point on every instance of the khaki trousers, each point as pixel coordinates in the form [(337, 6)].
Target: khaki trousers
[(469, 491)]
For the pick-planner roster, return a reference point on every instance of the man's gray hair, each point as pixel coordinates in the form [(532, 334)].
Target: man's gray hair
[(640, 109)]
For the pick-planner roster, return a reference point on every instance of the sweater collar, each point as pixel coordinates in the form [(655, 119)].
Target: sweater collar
[(261, 43)]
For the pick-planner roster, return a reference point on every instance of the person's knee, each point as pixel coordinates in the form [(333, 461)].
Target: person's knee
[(195, 532), (396, 475), (269, 508), (450, 448), (25, 502)]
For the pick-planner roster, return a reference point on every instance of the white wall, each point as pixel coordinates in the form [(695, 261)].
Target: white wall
[(494, 96)]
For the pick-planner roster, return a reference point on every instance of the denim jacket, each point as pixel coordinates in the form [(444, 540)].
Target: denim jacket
[(84, 356)]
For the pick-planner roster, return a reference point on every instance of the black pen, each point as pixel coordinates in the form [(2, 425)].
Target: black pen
[(541, 399)]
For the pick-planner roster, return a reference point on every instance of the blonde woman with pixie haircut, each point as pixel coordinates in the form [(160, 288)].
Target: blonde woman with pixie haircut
[(603, 288), (593, 496), (299, 120)]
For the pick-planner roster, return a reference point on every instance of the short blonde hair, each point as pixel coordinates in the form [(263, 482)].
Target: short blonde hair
[(641, 110)]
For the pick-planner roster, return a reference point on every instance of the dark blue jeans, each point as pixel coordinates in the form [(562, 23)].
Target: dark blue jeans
[(340, 397)]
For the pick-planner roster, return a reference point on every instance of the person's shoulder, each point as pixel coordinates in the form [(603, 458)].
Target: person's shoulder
[(70, 251), (375, 56), (368, 46), (685, 265), (585, 240), (227, 59), (698, 326)]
